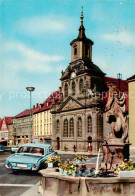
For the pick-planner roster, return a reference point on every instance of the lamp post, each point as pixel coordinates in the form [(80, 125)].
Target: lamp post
[(119, 76), (30, 89)]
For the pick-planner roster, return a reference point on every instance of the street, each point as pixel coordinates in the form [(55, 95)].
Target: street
[(15, 185)]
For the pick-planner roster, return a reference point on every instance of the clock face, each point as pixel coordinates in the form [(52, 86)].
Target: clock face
[(73, 75)]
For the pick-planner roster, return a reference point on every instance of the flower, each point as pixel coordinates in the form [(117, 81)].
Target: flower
[(127, 165), (69, 166), (80, 157), (52, 159)]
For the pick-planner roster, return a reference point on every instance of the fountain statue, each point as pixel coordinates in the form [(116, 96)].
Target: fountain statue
[(116, 145)]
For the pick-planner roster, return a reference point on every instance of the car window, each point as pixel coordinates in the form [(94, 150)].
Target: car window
[(27, 149), (38, 150)]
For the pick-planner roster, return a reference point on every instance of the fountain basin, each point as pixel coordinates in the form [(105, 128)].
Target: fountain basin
[(53, 184)]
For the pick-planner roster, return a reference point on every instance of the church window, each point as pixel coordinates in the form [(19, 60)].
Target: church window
[(65, 128), (75, 51), (86, 51), (79, 127), (81, 85), (66, 90), (73, 88), (89, 124), (58, 126), (71, 127)]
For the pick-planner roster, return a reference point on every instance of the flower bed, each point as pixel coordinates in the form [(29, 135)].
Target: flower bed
[(68, 168), (80, 158), (53, 161), (126, 169)]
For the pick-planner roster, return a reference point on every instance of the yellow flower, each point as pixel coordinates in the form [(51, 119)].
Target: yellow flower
[(116, 172)]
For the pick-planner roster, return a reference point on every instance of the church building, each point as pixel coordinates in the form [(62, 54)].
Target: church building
[(77, 120)]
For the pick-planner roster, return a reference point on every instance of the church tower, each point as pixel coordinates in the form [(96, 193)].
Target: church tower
[(77, 120), (81, 72), (81, 47)]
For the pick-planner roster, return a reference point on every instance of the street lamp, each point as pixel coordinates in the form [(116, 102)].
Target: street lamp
[(119, 76), (30, 89)]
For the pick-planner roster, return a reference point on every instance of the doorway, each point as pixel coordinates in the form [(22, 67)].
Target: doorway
[(58, 143)]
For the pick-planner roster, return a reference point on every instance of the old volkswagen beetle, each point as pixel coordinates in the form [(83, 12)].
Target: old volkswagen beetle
[(30, 157)]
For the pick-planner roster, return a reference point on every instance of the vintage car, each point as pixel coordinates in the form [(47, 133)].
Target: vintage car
[(30, 157), (1, 148), (14, 149)]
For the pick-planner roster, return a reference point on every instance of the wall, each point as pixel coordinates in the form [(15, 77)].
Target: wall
[(131, 86), (42, 124)]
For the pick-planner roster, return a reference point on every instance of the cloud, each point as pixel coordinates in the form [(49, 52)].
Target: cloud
[(123, 37), (21, 57), (20, 61), (41, 25)]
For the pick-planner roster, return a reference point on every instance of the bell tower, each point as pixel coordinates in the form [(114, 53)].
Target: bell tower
[(81, 47)]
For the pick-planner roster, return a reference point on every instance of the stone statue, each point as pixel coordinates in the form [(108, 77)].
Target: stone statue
[(115, 113)]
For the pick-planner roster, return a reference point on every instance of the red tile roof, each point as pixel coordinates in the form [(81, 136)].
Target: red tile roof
[(48, 103), (26, 113), (1, 121), (7, 121), (123, 88), (131, 78)]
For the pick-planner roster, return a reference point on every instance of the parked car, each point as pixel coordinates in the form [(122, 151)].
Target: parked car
[(1, 148), (30, 157), (14, 149)]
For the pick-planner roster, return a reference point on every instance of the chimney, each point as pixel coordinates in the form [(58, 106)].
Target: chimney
[(33, 106), (37, 105)]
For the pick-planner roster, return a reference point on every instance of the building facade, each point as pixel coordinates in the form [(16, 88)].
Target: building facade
[(42, 119), (131, 93), (77, 121), (4, 130), (22, 127)]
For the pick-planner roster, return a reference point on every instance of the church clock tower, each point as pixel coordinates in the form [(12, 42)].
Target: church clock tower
[(77, 119)]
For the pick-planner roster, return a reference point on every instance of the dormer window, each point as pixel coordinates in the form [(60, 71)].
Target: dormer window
[(75, 51)]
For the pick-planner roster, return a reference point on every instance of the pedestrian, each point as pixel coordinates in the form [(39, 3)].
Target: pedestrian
[(74, 147)]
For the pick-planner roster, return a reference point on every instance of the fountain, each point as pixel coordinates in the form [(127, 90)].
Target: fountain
[(115, 150), (116, 146)]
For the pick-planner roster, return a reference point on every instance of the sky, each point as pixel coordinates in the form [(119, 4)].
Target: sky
[(35, 38)]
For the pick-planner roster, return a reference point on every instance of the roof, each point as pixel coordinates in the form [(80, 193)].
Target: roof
[(123, 88), (8, 120), (1, 121), (26, 113), (132, 78), (37, 145), (81, 35), (55, 97)]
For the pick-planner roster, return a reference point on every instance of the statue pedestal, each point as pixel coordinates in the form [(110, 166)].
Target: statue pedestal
[(114, 152)]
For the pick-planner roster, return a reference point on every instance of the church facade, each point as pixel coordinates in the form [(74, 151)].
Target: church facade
[(77, 120)]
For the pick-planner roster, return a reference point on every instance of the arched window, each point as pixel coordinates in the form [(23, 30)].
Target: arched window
[(58, 126), (81, 85), (75, 51), (66, 90), (71, 127), (86, 51), (73, 88), (65, 128), (79, 127), (89, 124)]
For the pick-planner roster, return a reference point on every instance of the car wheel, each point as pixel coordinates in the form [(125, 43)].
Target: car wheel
[(44, 166), (15, 172)]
